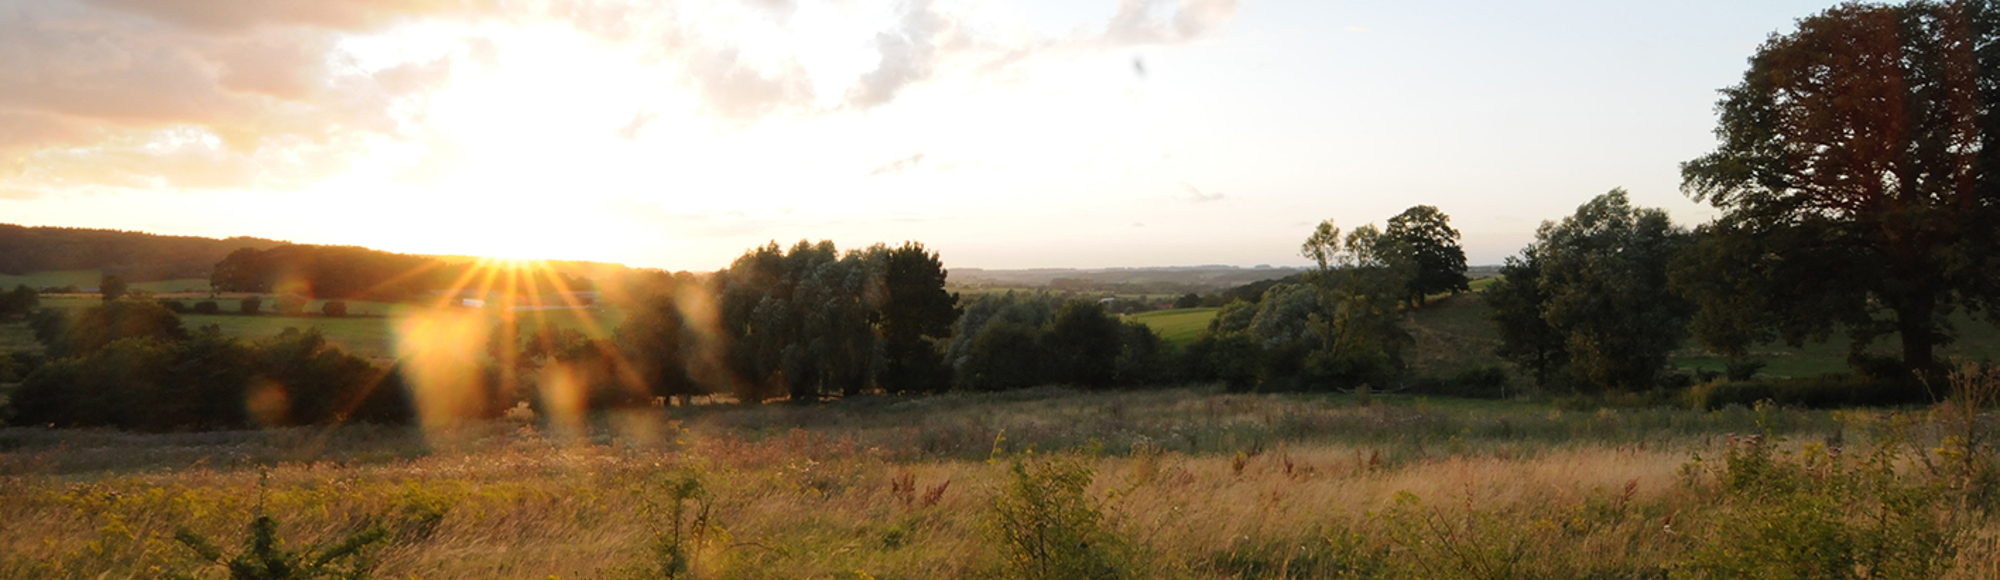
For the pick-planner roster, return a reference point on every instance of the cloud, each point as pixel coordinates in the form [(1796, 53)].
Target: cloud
[(180, 94), (897, 166), (907, 55), (1150, 22), (273, 94), (1196, 195)]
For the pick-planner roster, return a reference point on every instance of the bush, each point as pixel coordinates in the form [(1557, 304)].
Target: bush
[(207, 307), (1048, 527), (250, 305), (1827, 391), (292, 304), (176, 306), (1818, 514), (334, 309), (264, 557)]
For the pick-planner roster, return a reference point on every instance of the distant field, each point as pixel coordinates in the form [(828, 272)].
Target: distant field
[(369, 331), (90, 279), (1179, 326)]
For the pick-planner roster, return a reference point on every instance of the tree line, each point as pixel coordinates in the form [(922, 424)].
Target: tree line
[(135, 256)]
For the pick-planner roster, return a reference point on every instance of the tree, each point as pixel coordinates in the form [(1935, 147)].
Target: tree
[(1516, 301), (1600, 280), (915, 310), (250, 305), (1432, 246), (1189, 300), (19, 302), (1082, 345), (112, 288), (104, 324), (1856, 173)]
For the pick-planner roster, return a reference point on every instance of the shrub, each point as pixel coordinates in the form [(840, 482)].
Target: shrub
[(1048, 527), (264, 556), (676, 548), (291, 304), (207, 307), (1821, 392), (1818, 514), (250, 305), (176, 306), (334, 309)]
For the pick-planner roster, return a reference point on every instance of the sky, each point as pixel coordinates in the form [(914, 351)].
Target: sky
[(678, 134)]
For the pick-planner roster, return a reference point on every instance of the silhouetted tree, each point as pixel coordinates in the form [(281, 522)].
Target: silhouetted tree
[(1429, 241), (333, 309), (250, 305), (19, 302), (111, 288), (1856, 176), (1516, 302), (915, 311)]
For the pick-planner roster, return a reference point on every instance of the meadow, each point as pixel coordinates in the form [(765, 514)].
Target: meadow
[(1178, 483)]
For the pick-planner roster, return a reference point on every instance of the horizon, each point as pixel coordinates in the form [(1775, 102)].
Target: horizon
[(1129, 133)]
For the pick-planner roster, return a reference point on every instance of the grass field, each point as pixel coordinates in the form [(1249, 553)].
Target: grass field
[(1179, 326), (90, 279), (369, 331), (1188, 483)]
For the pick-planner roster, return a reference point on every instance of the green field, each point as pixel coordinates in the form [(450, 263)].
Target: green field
[(90, 279), (369, 331), (1180, 325)]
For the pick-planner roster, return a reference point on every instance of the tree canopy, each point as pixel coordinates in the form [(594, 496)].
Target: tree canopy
[(1597, 283), (1431, 245), (1856, 175)]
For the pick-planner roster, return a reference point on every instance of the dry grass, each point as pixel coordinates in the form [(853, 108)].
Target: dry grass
[(1208, 485)]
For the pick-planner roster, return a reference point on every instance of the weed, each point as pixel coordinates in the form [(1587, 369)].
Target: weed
[(1050, 529), (675, 550)]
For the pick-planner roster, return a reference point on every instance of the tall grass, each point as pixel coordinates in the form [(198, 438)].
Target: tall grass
[(1187, 484)]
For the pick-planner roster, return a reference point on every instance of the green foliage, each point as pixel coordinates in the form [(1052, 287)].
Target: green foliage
[(350, 272), (1841, 211), (1817, 513), (690, 528), (1339, 327), (1432, 245), (250, 305), (1049, 528), (105, 323), (264, 556), (1516, 301), (1829, 391), (915, 311), (292, 304), (1189, 300), (207, 307), (112, 288), (1082, 345), (799, 322), (1588, 302), (1463, 542), (18, 302), (658, 342), (156, 380)]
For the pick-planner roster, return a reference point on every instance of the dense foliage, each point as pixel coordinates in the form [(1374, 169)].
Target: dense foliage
[(1589, 301), (135, 256), (1856, 173), (131, 364)]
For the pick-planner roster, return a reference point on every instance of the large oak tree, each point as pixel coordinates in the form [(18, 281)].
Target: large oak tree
[(1856, 176)]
